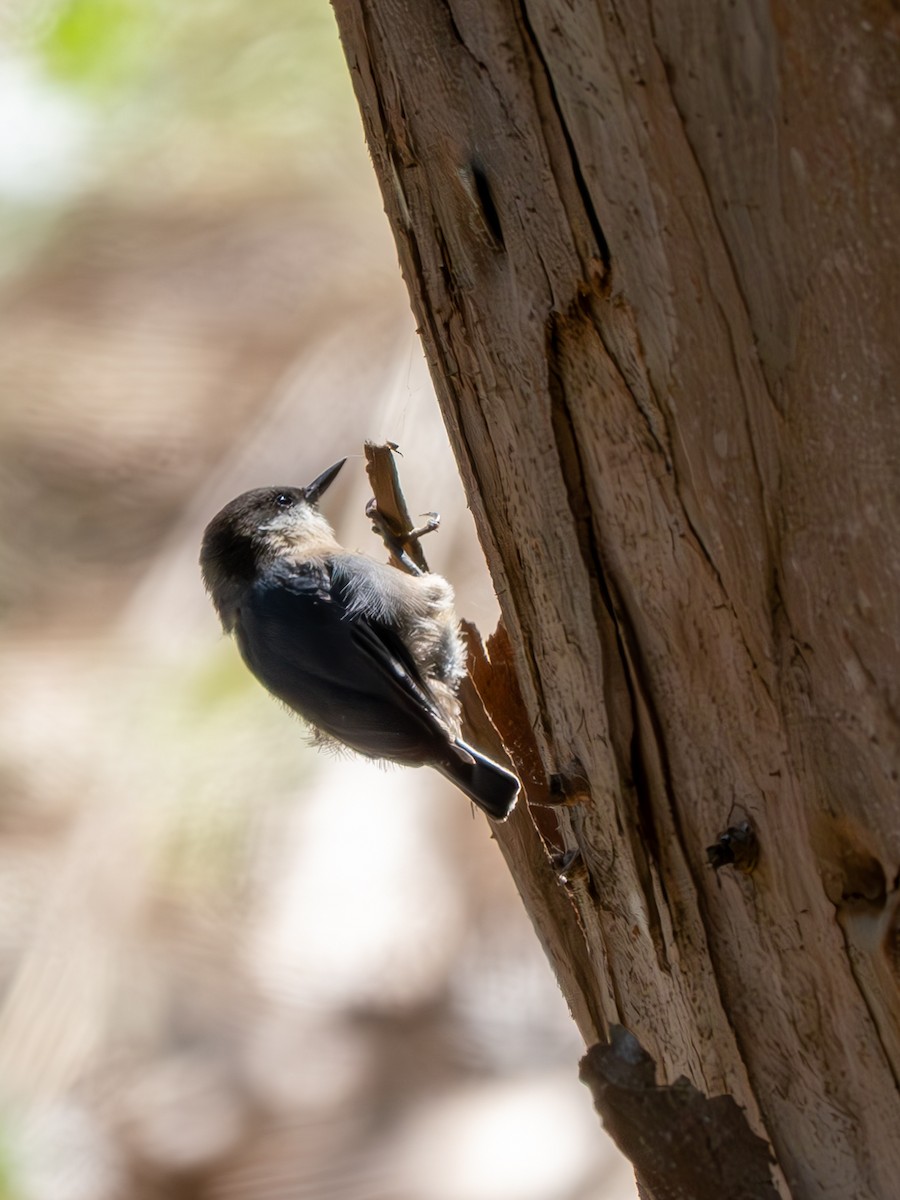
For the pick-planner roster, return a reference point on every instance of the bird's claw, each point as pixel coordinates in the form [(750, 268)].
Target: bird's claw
[(433, 523), (396, 543)]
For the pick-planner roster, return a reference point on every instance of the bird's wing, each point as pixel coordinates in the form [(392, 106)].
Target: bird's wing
[(347, 674), (390, 653)]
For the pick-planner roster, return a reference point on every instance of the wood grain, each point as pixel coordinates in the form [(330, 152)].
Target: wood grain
[(653, 250)]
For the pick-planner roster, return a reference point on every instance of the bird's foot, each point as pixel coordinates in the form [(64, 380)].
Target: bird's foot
[(394, 542), (433, 523)]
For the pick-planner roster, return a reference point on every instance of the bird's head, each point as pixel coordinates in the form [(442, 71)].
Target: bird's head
[(260, 526)]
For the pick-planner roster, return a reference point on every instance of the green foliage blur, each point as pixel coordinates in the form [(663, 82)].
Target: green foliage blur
[(98, 44), (213, 90)]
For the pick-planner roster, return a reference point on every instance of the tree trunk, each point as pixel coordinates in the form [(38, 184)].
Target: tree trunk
[(652, 251)]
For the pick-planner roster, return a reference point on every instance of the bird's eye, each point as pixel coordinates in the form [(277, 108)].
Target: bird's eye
[(284, 500)]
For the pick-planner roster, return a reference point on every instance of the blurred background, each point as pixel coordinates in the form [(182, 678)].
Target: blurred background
[(229, 966)]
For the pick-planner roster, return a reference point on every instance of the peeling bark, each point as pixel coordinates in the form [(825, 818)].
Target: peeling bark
[(653, 250), (684, 1145)]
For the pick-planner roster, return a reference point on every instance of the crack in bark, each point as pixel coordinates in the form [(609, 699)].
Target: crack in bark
[(590, 212), (632, 777), (508, 114), (647, 736), (457, 307), (761, 493), (720, 583), (531, 42), (613, 358), (768, 525), (735, 274)]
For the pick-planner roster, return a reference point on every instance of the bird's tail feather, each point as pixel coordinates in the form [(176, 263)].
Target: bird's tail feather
[(489, 785)]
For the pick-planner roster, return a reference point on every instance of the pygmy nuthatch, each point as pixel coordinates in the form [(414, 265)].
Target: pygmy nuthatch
[(369, 656)]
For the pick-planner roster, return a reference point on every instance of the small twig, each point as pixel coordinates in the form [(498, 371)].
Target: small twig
[(389, 513)]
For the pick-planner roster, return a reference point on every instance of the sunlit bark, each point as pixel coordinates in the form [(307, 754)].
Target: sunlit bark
[(652, 252)]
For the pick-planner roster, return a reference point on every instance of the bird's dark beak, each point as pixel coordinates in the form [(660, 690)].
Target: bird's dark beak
[(322, 482)]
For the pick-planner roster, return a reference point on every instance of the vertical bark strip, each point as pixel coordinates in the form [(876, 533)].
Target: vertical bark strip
[(652, 250)]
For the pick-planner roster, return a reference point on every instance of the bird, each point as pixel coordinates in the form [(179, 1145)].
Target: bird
[(370, 657)]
